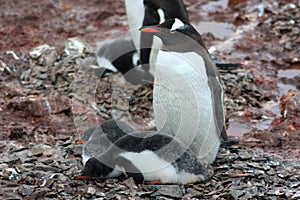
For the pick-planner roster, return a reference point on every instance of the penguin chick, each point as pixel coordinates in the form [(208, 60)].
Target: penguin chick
[(146, 156), (99, 138)]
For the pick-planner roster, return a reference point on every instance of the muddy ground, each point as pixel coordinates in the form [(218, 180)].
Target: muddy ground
[(262, 95)]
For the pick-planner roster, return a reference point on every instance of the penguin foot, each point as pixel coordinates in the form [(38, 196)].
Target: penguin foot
[(79, 142), (81, 177), (155, 182)]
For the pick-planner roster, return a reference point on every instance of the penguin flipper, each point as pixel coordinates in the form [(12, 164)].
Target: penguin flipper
[(130, 170)]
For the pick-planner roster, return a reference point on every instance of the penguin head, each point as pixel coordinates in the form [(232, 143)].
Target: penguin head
[(94, 169), (172, 31)]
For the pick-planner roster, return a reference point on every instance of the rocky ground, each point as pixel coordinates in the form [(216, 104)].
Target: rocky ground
[(49, 95)]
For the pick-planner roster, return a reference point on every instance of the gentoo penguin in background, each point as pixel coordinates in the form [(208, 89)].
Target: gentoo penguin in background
[(188, 95), (121, 55), (97, 139), (146, 156), (151, 12)]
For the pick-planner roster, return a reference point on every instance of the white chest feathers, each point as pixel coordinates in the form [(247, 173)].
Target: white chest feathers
[(155, 168), (135, 11), (183, 103)]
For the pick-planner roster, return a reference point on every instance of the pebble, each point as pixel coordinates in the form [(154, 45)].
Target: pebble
[(26, 190), (173, 191)]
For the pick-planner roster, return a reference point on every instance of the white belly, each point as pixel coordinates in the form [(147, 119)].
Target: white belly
[(85, 158), (183, 104), (135, 13), (152, 167)]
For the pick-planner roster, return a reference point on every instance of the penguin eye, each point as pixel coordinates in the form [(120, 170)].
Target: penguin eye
[(172, 31)]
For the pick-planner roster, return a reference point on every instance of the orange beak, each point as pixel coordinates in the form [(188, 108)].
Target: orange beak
[(150, 30)]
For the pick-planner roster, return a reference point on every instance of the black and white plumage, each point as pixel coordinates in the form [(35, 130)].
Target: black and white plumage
[(188, 95), (146, 156), (151, 12), (97, 139), (120, 55)]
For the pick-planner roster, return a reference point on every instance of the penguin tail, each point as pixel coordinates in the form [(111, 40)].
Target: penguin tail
[(229, 142)]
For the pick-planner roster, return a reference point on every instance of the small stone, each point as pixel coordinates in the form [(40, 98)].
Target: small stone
[(91, 191), (192, 191), (295, 185), (237, 193), (280, 192), (296, 196), (26, 190), (271, 172), (283, 174), (174, 191), (274, 163), (255, 165), (99, 194), (51, 195), (10, 174), (239, 166), (30, 180), (60, 177), (130, 183), (46, 168), (244, 155)]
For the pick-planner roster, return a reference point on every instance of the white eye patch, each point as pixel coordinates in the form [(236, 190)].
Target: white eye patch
[(177, 24), (161, 15)]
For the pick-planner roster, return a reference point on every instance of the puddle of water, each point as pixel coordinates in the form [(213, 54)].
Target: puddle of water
[(287, 74), (232, 3), (237, 128), (263, 125), (218, 29), (273, 107), (214, 5)]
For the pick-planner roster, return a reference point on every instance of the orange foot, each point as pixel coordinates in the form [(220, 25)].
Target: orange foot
[(155, 182), (81, 177), (79, 142)]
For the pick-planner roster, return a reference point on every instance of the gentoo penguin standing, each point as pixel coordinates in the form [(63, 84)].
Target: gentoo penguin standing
[(121, 55), (188, 95), (151, 12), (97, 139), (146, 156)]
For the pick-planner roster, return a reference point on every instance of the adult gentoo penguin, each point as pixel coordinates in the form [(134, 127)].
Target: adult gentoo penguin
[(188, 95), (146, 156), (97, 139)]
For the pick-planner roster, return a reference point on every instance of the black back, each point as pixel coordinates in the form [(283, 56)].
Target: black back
[(171, 9)]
